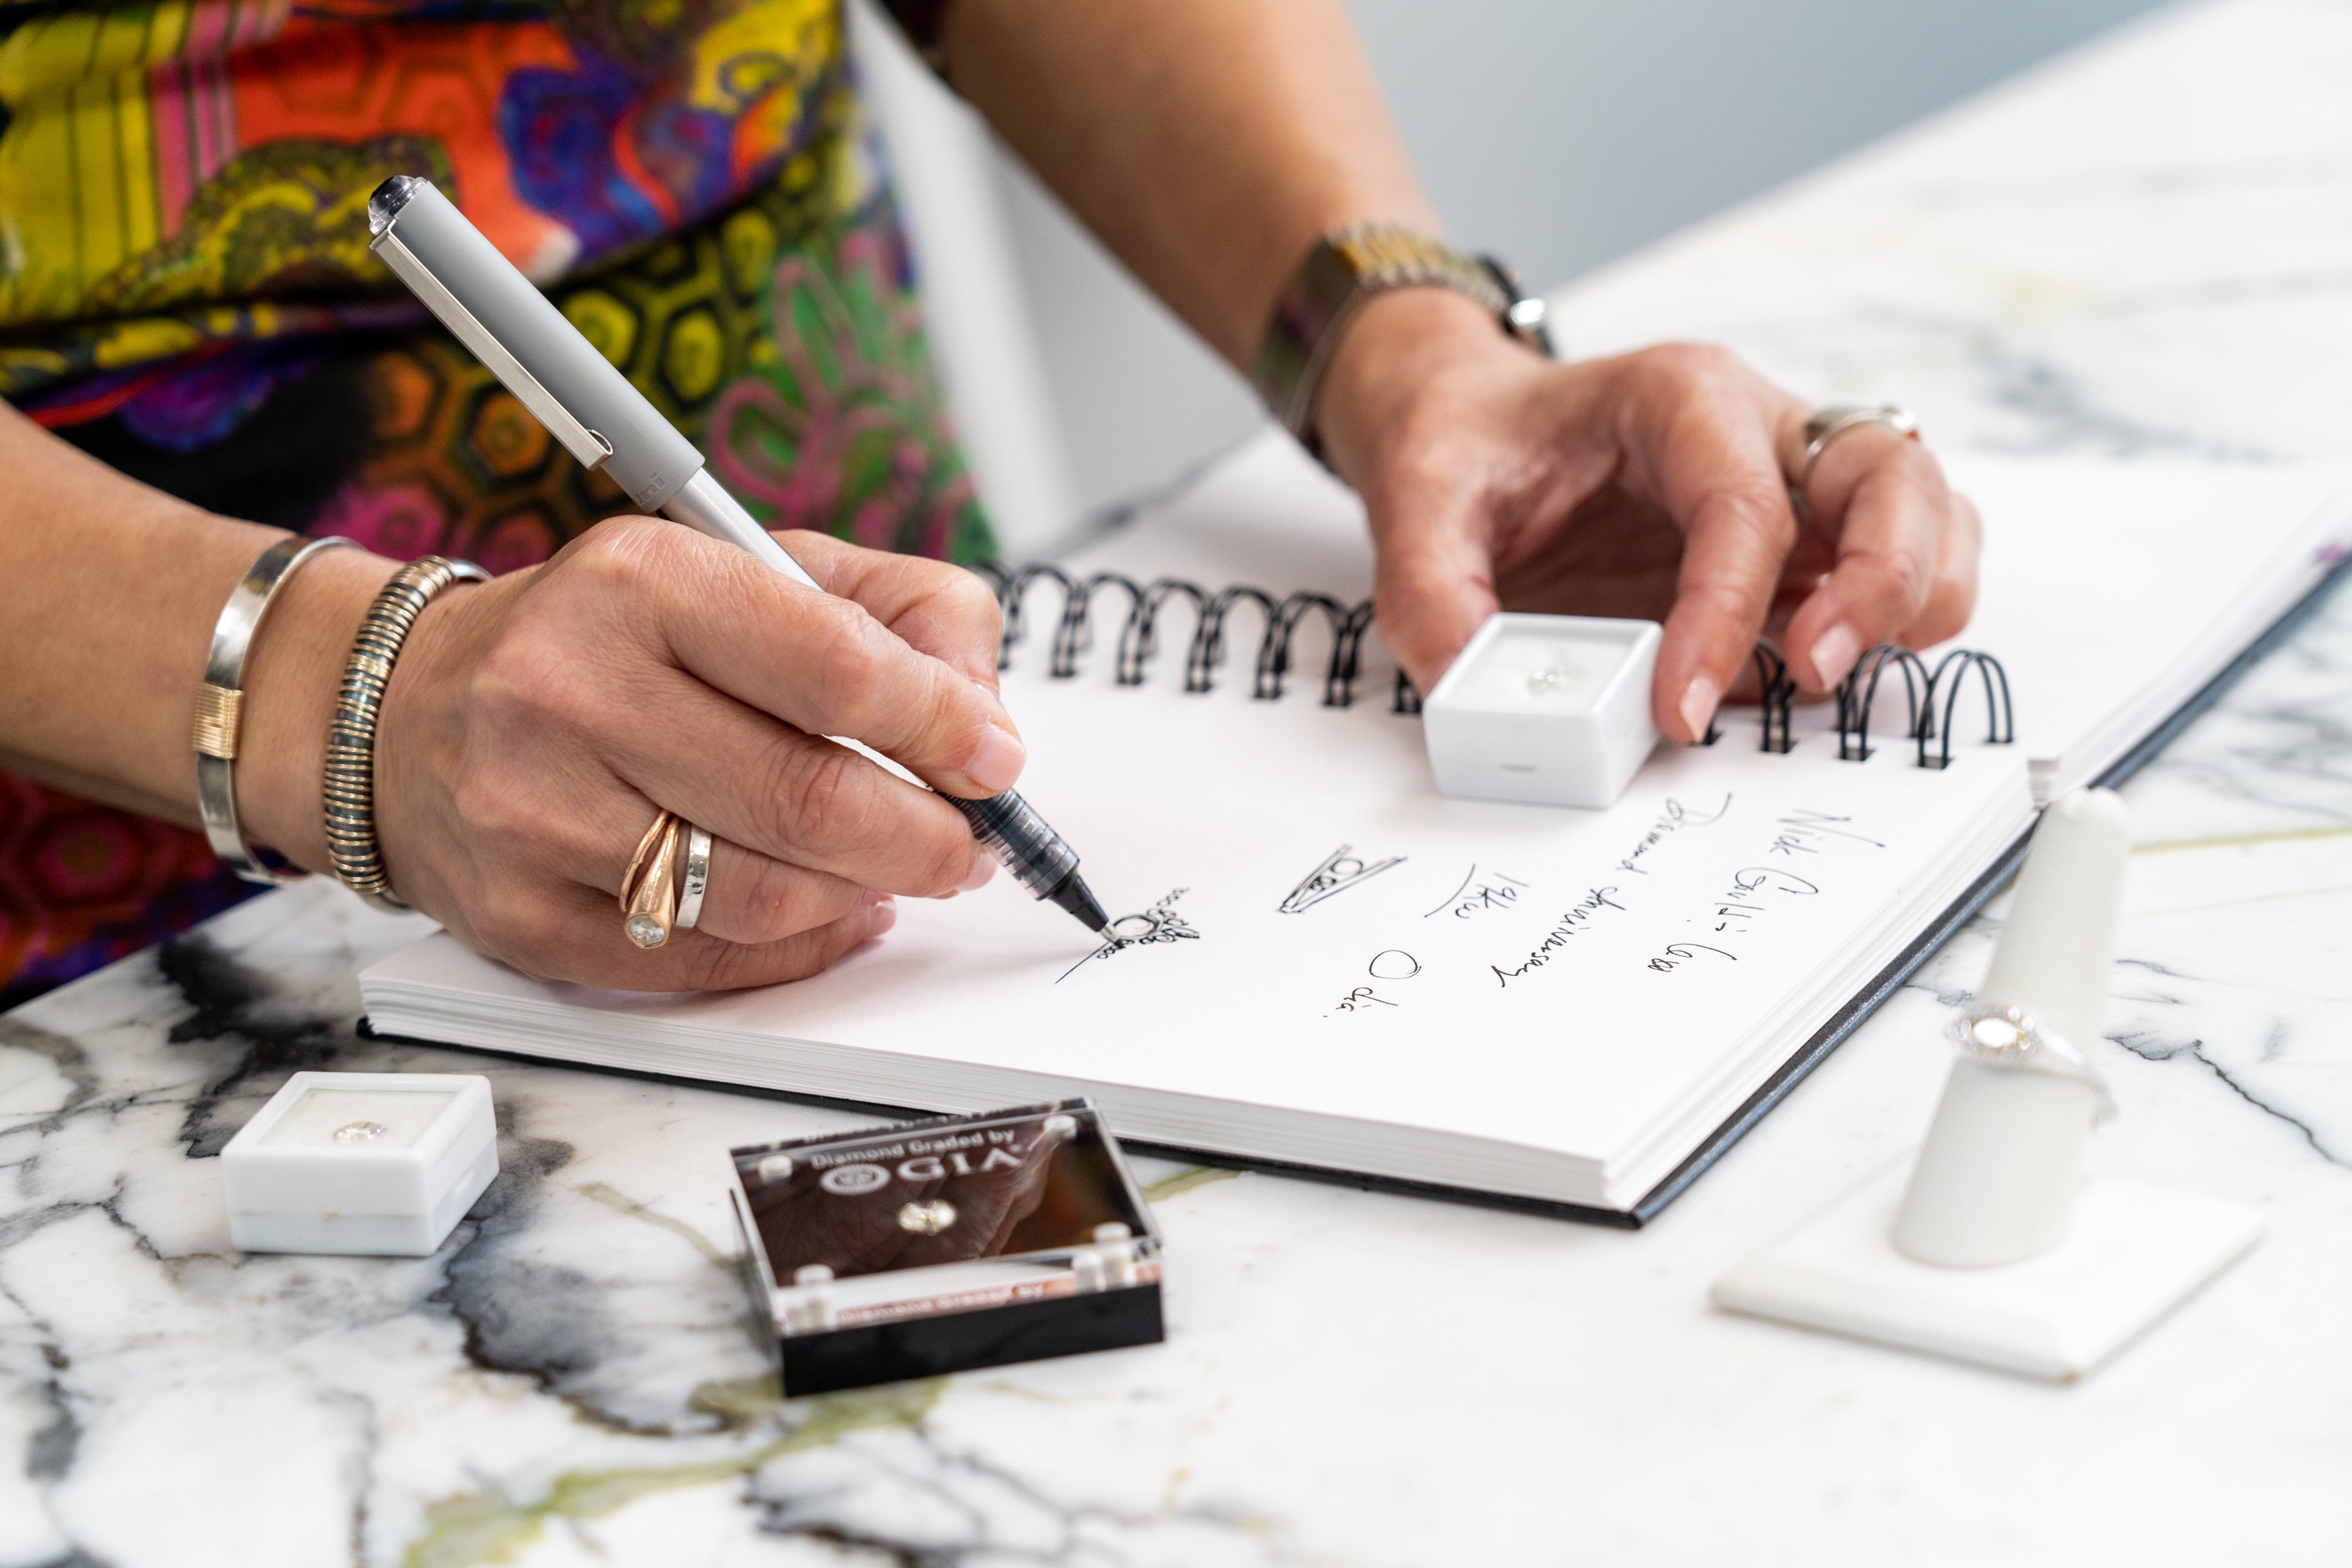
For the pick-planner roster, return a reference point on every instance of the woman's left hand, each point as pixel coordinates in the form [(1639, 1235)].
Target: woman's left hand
[(1653, 485)]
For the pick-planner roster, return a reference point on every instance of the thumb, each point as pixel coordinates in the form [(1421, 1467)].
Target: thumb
[(1433, 588)]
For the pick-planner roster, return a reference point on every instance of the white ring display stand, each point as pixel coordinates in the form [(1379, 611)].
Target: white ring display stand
[(2134, 1253), (1995, 1248)]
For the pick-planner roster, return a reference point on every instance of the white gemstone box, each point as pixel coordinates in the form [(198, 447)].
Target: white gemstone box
[(1545, 710), (381, 1164)]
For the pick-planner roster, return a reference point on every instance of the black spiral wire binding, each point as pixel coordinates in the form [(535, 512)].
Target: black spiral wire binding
[(1920, 686), (1776, 691), (1074, 634), (1858, 692), (1140, 639), (1209, 642), (2000, 717), (1074, 628), (1013, 593), (1147, 604), (1339, 671), (1347, 657), (1140, 634), (1273, 652)]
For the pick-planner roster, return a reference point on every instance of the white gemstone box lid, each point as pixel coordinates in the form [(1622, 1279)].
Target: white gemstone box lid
[(360, 1143), (1546, 665), (1545, 710)]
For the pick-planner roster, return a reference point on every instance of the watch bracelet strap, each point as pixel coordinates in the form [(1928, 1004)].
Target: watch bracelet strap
[(1345, 268), (217, 728), (350, 776)]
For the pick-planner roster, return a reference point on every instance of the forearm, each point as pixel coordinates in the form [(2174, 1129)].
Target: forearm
[(1208, 143), (109, 591), (1211, 141)]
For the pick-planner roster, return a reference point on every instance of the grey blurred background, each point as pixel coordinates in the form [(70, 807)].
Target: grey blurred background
[(1561, 135)]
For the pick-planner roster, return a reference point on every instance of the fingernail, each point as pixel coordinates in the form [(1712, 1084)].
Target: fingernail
[(1834, 652), (882, 916), (996, 703), (983, 866), (1699, 699), (997, 762)]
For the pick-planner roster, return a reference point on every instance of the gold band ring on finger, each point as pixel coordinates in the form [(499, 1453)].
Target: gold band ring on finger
[(649, 887), (1827, 423), (694, 874)]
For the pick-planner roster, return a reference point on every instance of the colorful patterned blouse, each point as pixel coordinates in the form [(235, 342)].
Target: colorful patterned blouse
[(186, 292)]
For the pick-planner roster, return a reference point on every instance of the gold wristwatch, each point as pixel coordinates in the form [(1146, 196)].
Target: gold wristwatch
[(1348, 266)]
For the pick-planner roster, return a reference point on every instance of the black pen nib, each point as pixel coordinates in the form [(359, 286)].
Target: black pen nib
[(1073, 896)]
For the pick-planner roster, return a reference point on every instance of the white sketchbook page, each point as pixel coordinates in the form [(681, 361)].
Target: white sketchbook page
[(1237, 801), (1605, 1022), (2113, 590)]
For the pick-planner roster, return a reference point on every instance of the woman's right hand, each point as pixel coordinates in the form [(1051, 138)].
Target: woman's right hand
[(534, 723)]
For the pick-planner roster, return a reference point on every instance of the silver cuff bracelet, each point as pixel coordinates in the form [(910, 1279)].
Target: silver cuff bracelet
[(220, 710)]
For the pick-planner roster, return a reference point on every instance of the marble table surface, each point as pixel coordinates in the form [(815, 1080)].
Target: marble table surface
[(2143, 248)]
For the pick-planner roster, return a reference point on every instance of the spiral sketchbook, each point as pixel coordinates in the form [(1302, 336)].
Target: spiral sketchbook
[(1323, 966)]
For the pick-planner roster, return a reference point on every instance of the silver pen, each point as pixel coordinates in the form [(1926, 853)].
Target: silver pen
[(591, 408)]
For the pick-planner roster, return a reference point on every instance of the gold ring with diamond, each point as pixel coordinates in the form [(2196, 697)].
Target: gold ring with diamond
[(649, 887)]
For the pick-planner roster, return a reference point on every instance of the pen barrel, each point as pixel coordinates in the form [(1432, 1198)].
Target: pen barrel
[(527, 343), (704, 506), (1019, 838)]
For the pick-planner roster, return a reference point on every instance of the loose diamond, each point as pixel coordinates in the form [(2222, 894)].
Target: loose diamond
[(928, 1219), (1998, 1035), (358, 1131)]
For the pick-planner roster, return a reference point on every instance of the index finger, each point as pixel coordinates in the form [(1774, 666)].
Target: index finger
[(1890, 508), (1736, 541), (1717, 475), (821, 663), (936, 606)]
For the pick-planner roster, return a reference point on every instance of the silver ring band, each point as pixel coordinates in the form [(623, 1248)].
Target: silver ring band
[(220, 709), (2014, 1040), (1827, 424), (697, 879)]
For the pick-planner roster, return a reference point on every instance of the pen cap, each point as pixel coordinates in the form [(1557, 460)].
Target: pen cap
[(525, 340)]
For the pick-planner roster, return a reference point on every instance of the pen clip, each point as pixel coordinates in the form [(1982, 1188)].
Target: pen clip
[(589, 446)]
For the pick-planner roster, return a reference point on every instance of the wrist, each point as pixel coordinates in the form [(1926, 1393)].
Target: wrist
[(1400, 347), (292, 678)]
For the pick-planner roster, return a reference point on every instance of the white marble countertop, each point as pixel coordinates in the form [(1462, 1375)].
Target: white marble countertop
[(2144, 249)]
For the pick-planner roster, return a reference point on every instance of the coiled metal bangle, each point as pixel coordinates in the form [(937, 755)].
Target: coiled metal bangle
[(351, 744)]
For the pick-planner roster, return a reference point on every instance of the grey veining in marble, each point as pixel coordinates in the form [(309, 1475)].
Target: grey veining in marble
[(2147, 248), (578, 1353)]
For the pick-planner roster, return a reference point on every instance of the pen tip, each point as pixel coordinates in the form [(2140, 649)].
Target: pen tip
[(1073, 895)]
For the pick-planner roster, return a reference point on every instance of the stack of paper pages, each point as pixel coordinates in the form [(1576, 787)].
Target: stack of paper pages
[(1324, 964)]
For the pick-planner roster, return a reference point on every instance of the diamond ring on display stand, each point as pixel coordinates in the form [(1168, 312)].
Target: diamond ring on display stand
[(1993, 1246)]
